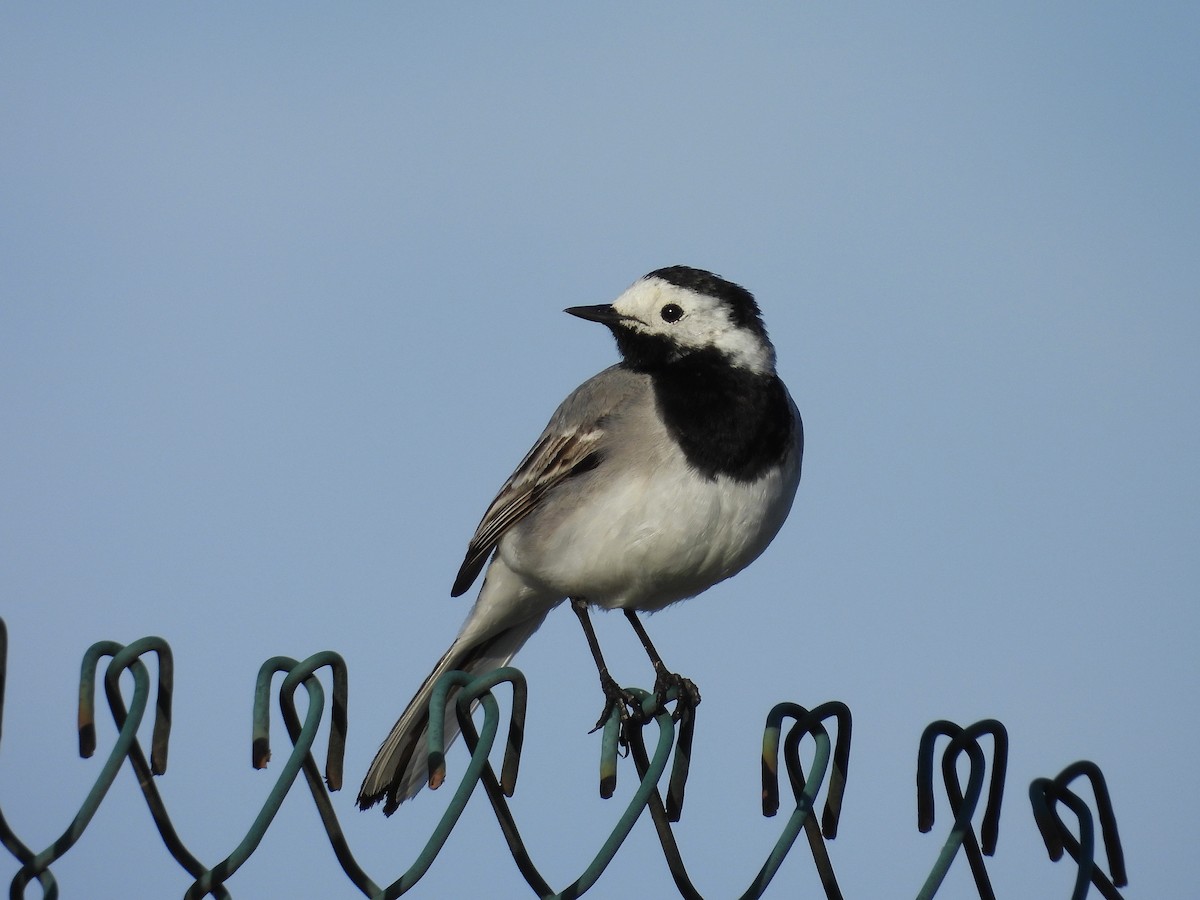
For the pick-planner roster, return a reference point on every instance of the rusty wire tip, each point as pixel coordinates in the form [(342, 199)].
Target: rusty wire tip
[(260, 753), (770, 786), (338, 714), (929, 736), (770, 800), (86, 715), (437, 769), (770, 757), (87, 739), (610, 740), (608, 774), (158, 765), (1050, 826), (161, 735), (608, 786), (334, 766), (158, 751)]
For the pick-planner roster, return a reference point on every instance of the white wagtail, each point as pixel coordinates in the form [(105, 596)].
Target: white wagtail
[(654, 480)]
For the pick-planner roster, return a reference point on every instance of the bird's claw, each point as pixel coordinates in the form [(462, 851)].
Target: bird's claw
[(617, 698), (630, 708), (686, 693)]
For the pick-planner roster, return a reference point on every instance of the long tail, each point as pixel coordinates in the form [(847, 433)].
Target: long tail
[(398, 771)]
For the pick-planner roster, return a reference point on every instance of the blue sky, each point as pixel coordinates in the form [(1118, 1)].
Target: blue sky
[(280, 297)]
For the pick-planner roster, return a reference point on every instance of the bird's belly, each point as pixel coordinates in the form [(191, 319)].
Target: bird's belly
[(644, 543)]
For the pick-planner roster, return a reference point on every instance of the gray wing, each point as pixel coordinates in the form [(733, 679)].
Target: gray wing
[(573, 443)]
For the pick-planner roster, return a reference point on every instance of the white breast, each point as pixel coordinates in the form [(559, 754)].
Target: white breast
[(651, 536)]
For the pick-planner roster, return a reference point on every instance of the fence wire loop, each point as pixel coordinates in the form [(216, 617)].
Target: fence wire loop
[(297, 673), (809, 723), (127, 719), (1046, 793), (962, 803), (788, 730), (499, 800)]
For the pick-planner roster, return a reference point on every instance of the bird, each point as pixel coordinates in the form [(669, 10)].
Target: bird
[(655, 479)]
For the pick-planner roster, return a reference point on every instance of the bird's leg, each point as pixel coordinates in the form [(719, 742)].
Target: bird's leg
[(614, 696), (688, 693)]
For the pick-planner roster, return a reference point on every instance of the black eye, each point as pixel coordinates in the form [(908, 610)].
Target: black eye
[(672, 312)]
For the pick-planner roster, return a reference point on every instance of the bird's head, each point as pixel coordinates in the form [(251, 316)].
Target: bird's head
[(677, 312)]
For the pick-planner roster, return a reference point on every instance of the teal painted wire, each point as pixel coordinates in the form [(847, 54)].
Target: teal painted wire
[(641, 796), (1108, 825), (8, 837), (471, 776), (1085, 857), (497, 792), (479, 759), (143, 769), (471, 693), (108, 773), (296, 676), (804, 805), (962, 822), (209, 881), (1087, 843), (477, 692), (318, 788), (805, 796), (1044, 793)]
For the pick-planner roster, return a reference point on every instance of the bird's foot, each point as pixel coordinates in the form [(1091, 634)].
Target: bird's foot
[(617, 698), (687, 695)]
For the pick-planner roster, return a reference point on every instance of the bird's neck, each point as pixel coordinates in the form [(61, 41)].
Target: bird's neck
[(727, 420)]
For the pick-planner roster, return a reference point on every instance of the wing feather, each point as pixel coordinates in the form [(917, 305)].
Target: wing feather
[(557, 456)]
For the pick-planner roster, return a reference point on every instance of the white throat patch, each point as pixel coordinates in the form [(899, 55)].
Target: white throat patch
[(705, 322)]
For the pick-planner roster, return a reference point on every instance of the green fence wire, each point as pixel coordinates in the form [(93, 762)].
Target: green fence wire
[(788, 726)]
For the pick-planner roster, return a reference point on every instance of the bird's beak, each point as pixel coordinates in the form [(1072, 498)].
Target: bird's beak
[(604, 314)]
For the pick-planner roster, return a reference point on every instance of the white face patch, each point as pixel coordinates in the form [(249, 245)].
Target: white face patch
[(651, 304)]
